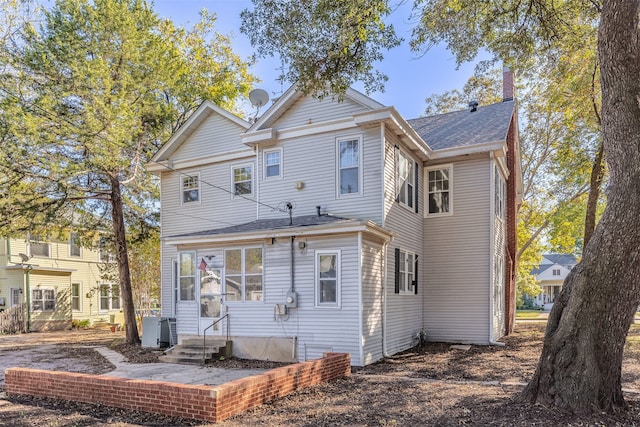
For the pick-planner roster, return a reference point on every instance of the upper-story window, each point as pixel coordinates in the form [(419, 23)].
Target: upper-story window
[(439, 190), (105, 250), (500, 191), (273, 163), (556, 271), (39, 247), (242, 180), (349, 166), (406, 175), (190, 188), (75, 249)]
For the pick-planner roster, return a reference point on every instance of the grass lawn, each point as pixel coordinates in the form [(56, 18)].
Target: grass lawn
[(528, 314)]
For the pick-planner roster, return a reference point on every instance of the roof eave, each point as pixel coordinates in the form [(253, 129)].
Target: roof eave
[(314, 230)]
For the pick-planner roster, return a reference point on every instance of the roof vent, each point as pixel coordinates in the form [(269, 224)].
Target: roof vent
[(473, 105)]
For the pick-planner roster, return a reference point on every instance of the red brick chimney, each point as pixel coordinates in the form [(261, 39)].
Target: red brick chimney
[(507, 84)]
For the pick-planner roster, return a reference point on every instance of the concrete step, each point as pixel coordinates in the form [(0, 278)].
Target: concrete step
[(191, 353), (180, 360), (197, 342)]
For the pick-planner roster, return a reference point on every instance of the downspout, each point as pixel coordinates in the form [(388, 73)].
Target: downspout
[(257, 180), (292, 287), (492, 238), (385, 353), (361, 290), (8, 251), (28, 280)]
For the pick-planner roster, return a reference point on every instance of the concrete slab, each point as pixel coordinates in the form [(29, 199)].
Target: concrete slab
[(463, 347), (170, 372)]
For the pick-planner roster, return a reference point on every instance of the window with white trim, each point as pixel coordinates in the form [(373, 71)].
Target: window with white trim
[(75, 296), (327, 287), (349, 166), (75, 249), (43, 299), (187, 276), (243, 274), (406, 177), (273, 163), (190, 188), (407, 277), (499, 190), (109, 297), (105, 250), (556, 272), (242, 180), (38, 247), (439, 190)]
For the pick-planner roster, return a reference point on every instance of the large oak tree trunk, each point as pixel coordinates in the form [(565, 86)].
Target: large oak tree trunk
[(123, 263), (581, 362)]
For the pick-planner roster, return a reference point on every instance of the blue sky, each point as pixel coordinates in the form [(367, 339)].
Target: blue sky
[(411, 78)]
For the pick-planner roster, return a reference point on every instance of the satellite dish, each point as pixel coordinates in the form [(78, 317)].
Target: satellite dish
[(258, 97), (24, 257)]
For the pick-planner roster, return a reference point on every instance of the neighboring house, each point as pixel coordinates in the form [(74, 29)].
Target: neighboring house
[(553, 269), (340, 226), (60, 280)]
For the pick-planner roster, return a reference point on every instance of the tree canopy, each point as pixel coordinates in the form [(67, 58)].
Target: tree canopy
[(86, 97)]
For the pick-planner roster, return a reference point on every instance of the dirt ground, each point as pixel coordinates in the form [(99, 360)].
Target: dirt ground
[(432, 385)]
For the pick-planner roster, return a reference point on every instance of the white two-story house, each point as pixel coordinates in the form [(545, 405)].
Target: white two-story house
[(551, 273), (340, 226)]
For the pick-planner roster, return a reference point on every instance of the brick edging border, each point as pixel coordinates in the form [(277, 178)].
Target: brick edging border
[(198, 402)]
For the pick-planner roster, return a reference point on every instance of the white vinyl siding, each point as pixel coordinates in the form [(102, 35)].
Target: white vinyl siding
[(457, 256), (372, 287), (307, 110), (311, 160), (404, 313)]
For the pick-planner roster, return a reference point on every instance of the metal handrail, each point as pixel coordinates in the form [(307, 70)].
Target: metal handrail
[(204, 336)]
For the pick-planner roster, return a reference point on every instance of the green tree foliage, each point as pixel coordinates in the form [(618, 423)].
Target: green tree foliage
[(86, 98), (326, 45)]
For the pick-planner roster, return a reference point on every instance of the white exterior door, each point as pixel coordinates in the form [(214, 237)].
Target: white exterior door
[(210, 297)]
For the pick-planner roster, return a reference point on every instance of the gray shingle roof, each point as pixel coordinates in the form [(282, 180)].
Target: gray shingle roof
[(562, 259), (271, 224), (489, 123)]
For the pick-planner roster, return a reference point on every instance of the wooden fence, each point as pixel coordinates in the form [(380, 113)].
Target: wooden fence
[(14, 320)]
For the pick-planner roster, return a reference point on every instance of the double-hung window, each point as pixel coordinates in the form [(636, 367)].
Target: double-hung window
[(327, 279), (242, 180), (273, 163), (38, 247), (74, 245), (243, 274), (190, 188), (406, 176), (349, 166), (43, 299), (109, 297), (75, 296), (187, 276), (406, 272), (439, 191)]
